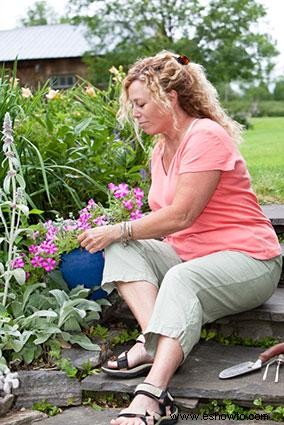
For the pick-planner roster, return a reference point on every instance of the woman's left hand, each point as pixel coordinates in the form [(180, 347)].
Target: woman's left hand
[(100, 237)]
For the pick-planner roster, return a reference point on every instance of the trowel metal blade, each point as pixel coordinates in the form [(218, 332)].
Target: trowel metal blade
[(240, 369)]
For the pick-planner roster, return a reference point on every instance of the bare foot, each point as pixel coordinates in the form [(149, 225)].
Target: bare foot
[(139, 405), (136, 355)]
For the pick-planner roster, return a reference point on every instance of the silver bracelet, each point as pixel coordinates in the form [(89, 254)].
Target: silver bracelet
[(125, 232)]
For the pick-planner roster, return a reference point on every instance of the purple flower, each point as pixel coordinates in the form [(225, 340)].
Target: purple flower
[(17, 263), (91, 203), (128, 204), (48, 247), (139, 203), (48, 264), (135, 215), (36, 261), (101, 220), (138, 193), (112, 187), (34, 249), (143, 173), (121, 191)]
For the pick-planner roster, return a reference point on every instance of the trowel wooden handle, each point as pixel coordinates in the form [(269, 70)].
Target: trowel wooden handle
[(271, 352)]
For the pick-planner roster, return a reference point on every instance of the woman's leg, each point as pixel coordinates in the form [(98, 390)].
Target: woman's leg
[(192, 294), (137, 271), (168, 357), (140, 297)]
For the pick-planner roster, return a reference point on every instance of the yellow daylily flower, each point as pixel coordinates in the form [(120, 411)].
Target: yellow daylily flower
[(52, 94), (26, 92), (90, 91)]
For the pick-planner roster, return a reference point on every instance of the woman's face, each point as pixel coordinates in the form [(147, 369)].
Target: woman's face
[(149, 116)]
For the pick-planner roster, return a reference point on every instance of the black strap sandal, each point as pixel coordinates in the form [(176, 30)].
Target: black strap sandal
[(123, 370), (168, 414)]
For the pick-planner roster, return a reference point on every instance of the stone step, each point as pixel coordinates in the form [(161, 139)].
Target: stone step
[(198, 378), (264, 321), (275, 213), (87, 416), (281, 283)]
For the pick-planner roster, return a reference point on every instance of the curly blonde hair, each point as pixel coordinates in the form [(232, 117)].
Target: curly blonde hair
[(196, 95)]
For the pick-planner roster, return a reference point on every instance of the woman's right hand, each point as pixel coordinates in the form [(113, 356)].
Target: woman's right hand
[(100, 237), (272, 352)]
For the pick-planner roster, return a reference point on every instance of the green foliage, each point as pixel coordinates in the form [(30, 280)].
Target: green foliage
[(40, 317), (106, 400), (9, 94), (213, 335), (270, 109), (39, 14), (125, 336), (234, 411), (99, 331), (278, 92), (70, 147), (46, 407), (276, 413), (250, 108), (66, 366)]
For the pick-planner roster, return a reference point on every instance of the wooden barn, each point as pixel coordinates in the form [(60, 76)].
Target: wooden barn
[(45, 52)]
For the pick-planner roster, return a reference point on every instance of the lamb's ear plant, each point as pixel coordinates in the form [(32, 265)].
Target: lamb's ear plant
[(13, 207)]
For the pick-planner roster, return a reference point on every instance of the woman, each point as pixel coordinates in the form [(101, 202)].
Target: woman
[(219, 254)]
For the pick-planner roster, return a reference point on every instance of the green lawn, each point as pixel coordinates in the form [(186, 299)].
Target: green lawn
[(263, 150)]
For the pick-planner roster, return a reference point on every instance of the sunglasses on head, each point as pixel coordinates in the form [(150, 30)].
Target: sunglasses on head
[(183, 60)]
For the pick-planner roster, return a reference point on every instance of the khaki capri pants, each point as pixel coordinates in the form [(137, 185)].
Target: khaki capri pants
[(191, 293)]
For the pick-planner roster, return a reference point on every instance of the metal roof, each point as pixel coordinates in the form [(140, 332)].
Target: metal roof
[(43, 42)]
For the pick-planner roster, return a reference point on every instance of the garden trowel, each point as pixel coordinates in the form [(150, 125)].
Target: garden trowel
[(247, 367), (240, 369)]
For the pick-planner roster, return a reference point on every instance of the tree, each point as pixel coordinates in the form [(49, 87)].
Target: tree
[(278, 92), (220, 36), (258, 92), (41, 14)]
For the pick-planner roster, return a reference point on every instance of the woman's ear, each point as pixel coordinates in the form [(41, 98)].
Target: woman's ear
[(173, 97)]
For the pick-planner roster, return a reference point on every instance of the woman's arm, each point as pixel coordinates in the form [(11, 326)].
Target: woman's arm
[(193, 192)]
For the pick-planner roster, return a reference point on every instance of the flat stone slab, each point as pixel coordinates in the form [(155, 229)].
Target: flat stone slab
[(87, 416), (80, 357), (275, 213), (25, 417), (53, 386), (198, 377)]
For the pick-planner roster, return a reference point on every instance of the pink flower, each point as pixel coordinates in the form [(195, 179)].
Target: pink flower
[(101, 220), (34, 249), (121, 191), (70, 227), (36, 261), (138, 193), (128, 204), (17, 263), (49, 264), (139, 202), (48, 247), (135, 215), (91, 203), (112, 187)]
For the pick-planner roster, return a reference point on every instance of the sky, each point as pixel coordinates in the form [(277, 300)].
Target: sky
[(11, 11)]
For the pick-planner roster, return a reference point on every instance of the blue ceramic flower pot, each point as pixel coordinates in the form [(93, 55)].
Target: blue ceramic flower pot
[(80, 267)]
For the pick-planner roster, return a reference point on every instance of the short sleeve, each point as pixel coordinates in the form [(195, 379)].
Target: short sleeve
[(205, 151)]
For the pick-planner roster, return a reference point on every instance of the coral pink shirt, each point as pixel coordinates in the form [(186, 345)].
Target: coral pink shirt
[(232, 219)]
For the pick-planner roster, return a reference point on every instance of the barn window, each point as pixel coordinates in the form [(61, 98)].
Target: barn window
[(62, 81)]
